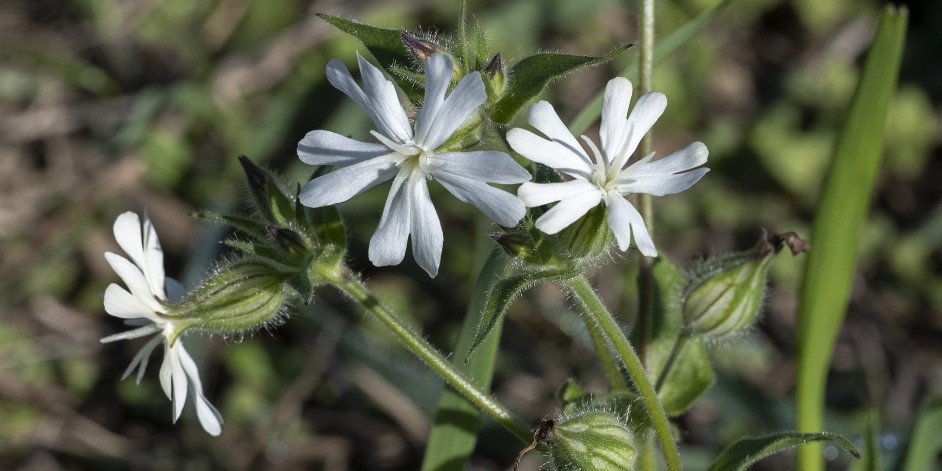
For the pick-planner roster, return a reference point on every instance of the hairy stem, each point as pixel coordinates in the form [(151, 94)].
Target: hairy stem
[(645, 276), (358, 292), (606, 357), (592, 306)]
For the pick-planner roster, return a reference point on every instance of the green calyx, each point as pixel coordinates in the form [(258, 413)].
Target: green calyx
[(589, 440), (725, 294), (242, 296), (588, 237)]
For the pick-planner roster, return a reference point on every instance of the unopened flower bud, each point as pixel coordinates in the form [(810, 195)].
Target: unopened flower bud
[(725, 294), (287, 239), (589, 236), (270, 200), (495, 77), (589, 440)]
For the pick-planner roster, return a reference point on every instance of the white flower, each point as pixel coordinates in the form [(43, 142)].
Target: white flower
[(145, 304), (409, 157), (604, 179)]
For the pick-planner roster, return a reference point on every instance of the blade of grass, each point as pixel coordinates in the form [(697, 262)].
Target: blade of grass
[(925, 441), (841, 212)]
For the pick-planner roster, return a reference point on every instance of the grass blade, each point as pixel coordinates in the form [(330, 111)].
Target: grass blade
[(841, 212)]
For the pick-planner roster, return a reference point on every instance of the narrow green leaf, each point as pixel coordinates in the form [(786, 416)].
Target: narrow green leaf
[(529, 77), (740, 455), (840, 215), (925, 443), (691, 374), (385, 45), (505, 292), (664, 48), (246, 225)]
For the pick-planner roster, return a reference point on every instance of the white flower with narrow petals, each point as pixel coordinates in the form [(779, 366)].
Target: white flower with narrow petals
[(605, 178), (410, 156), (146, 304)]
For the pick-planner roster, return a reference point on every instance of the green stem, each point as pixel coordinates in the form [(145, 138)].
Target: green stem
[(356, 290), (675, 352), (645, 276), (593, 307), (606, 356)]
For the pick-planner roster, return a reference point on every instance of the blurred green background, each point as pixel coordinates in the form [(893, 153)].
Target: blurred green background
[(108, 106)]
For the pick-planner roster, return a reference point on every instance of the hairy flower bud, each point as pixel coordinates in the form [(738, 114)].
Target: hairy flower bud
[(495, 77), (421, 49), (589, 440), (725, 294)]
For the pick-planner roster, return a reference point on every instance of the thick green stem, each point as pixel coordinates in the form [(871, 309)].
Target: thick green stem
[(593, 307), (356, 290)]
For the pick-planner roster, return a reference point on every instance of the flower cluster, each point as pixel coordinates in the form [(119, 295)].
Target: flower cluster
[(411, 155)]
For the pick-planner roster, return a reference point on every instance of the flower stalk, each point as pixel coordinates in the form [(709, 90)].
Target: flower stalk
[(350, 285), (592, 306)]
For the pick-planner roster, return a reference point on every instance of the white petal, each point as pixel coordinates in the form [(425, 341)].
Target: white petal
[(178, 377), (209, 417), (144, 250), (328, 148), (388, 244), (390, 117), (392, 124), (344, 183), (538, 194), (624, 220), (502, 207), (559, 156), (434, 127), (135, 281), (426, 230), (438, 72), (647, 110), (141, 359), (486, 166), (543, 117), (166, 371), (153, 266), (684, 159), (142, 331), (568, 211), (120, 303), (127, 232), (660, 185), (614, 128)]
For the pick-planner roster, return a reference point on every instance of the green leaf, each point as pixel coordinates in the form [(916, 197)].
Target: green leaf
[(529, 77), (740, 455), (506, 291), (664, 48), (840, 216), (385, 45), (925, 442), (246, 225), (691, 374), (327, 226)]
